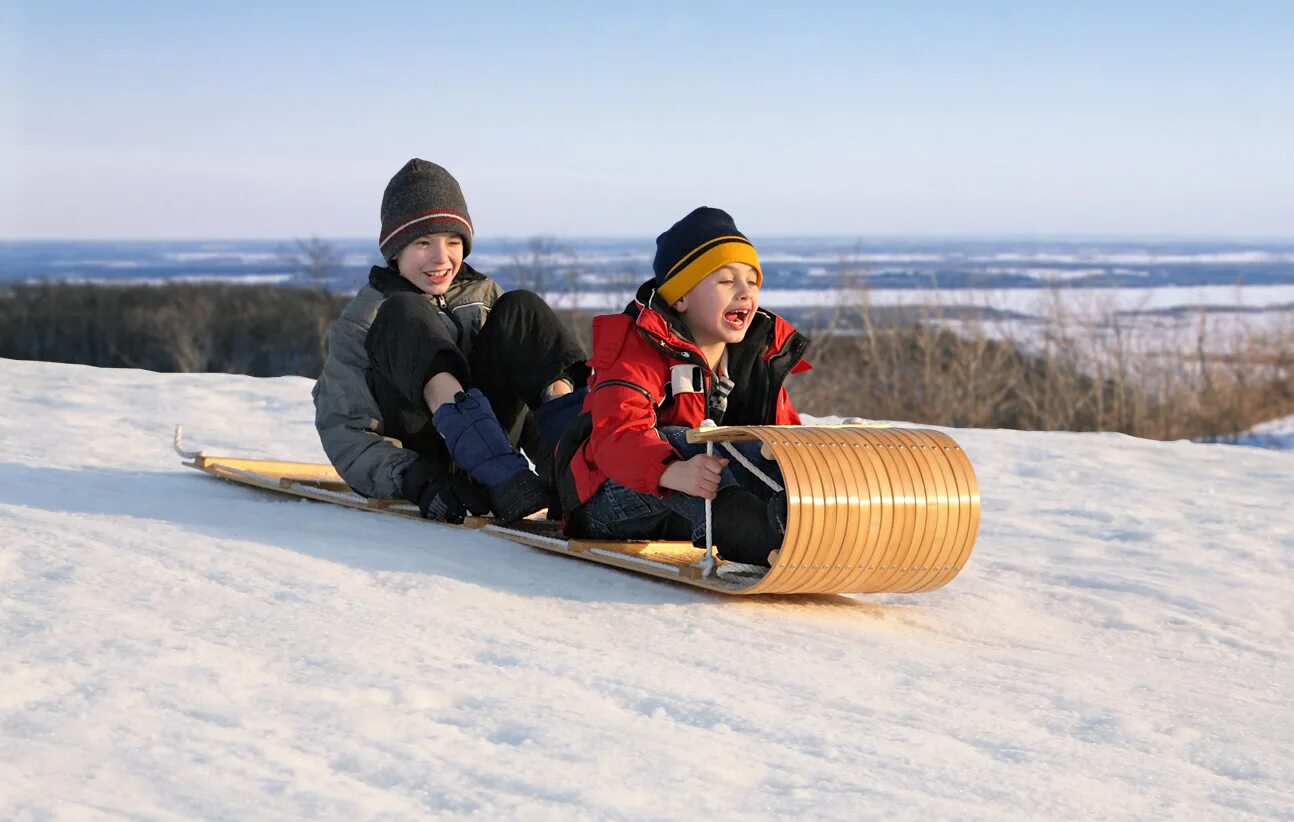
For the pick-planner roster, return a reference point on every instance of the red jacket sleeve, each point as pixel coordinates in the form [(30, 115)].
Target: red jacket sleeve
[(627, 388)]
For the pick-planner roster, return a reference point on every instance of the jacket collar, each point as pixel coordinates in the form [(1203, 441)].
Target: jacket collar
[(664, 327), (388, 281)]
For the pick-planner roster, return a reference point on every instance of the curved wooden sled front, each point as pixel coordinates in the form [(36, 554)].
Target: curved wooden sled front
[(869, 509)]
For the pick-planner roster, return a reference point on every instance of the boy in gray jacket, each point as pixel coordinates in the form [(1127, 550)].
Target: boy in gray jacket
[(432, 369)]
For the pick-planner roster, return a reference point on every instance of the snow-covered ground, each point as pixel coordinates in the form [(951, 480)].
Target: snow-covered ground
[(1271, 434), (176, 647)]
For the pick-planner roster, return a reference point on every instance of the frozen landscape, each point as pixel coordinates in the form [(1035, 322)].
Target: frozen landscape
[(1167, 290), (596, 265), (175, 647)]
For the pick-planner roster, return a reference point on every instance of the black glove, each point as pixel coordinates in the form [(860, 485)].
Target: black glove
[(441, 495)]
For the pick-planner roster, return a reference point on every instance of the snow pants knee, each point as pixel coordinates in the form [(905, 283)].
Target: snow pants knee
[(520, 349)]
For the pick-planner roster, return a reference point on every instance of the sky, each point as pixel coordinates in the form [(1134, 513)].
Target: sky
[(133, 120)]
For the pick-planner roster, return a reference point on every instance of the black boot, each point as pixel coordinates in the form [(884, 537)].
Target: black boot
[(742, 530), (777, 512), (518, 496)]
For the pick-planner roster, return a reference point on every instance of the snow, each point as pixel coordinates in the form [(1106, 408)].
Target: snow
[(1026, 301), (176, 647), (244, 257), (1039, 302), (1246, 257), (1278, 433)]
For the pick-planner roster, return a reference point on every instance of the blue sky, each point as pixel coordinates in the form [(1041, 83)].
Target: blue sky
[(241, 120)]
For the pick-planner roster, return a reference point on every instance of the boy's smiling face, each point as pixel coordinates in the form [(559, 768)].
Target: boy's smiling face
[(431, 262), (720, 308)]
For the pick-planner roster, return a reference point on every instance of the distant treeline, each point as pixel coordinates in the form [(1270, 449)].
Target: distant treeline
[(867, 362), (263, 331)]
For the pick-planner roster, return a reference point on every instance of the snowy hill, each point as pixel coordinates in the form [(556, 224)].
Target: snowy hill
[(1278, 433), (176, 647)]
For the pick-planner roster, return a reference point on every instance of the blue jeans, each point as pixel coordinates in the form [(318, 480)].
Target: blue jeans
[(617, 512)]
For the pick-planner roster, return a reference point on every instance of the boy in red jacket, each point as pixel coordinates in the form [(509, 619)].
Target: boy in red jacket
[(693, 345)]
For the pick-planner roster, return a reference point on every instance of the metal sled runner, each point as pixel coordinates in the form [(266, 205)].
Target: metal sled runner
[(870, 509)]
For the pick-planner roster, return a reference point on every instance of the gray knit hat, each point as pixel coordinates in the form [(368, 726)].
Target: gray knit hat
[(422, 198)]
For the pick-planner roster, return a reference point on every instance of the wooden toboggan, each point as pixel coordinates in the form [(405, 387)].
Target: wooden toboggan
[(870, 509)]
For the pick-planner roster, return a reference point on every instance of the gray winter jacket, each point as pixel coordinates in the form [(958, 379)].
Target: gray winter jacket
[(346, 414)]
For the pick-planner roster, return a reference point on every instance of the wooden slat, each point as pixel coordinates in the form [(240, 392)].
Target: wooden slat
[(870, 509), (298, 471), (925, 559)]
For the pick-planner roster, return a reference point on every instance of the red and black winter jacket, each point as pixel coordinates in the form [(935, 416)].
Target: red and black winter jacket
[(647, 373)]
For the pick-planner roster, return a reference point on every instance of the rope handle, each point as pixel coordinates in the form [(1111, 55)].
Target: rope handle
[(708, 562), (750, 466)]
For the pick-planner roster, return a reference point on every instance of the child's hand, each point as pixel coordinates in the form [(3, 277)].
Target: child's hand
[(698, 476)]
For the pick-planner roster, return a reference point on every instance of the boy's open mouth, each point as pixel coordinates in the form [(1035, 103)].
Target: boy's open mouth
[(438, 276), (737, 318)]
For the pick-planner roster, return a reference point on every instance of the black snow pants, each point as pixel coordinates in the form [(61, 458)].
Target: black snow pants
[(521, 349)]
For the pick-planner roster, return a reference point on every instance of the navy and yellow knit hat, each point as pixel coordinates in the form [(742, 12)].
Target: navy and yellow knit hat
[(422, 198), (694, 247)]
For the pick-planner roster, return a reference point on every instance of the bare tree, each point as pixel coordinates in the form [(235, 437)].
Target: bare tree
[(547, 268), (314, 260)]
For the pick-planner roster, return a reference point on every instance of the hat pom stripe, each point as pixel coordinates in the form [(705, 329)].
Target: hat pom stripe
[(437, 215), (701, 249)]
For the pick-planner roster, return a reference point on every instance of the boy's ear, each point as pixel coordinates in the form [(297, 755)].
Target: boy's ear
[(680, 305)]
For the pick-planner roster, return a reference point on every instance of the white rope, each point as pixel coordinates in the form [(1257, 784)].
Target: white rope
[(750, 466), (737, 569), (708, 561)]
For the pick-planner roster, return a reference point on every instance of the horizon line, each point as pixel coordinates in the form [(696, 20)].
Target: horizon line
[(902, 237)]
